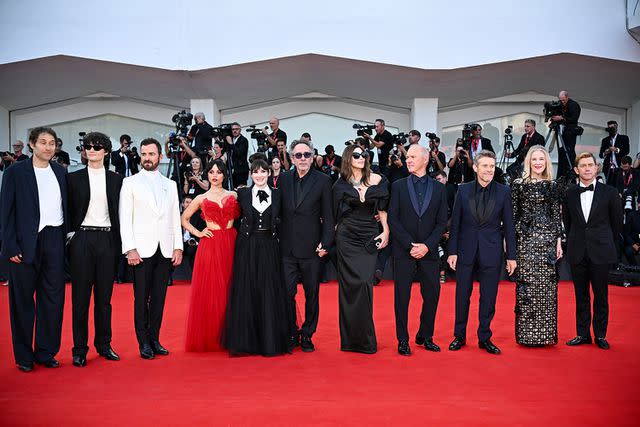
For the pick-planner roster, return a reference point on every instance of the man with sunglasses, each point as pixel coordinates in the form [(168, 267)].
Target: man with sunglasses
[(94, 246), (305, 236)]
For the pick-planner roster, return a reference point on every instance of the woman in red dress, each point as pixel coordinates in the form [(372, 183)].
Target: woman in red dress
[(212, 268)]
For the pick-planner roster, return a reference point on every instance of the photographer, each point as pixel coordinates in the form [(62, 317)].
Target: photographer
[(276, 135), (331, 163), (631, 237), (460, 165), (383, 141), (627, 181), (530, 138), (281, 154), (201, 134), (237, 146), (61, 157), (126, 159), (195, 181), (191, 242), (478, 142), (613, 148), (178, 149), (569, 118), (10, 158), (437, 159), (397, 163)]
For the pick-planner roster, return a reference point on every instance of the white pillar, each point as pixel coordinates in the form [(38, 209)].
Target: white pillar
[(633, 128), (207, 106), (424, 115), (5, 135)]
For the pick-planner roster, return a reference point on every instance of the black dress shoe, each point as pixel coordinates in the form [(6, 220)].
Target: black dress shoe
[(377, 277), (457, 344), (109, 354), (27, 367), (294, 341), (419, 340), (159, 349), (307, 345), (579, 340), (431, 346), (51, 363), (602, 343), (489, 347), (79, 361), (403, 348), (146, 352)]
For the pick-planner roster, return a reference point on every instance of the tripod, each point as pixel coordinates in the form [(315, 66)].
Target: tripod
[(506, 149), (174, 170), (555, 130)]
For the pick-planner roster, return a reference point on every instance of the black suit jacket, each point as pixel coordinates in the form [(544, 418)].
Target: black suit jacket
[(80, 194), (246, 204), (410, 224), (597, 237), (521, 151), (622, 142), (310, 221), (572, 114), (634, 181), (118, 162), (239, 152), (20, 208)]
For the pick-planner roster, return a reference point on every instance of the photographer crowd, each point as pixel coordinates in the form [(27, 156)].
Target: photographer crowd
[(274, 218)]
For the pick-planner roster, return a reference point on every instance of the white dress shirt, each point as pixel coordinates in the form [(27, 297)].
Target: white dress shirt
[(586, 199), (49, 198), (98, 211)]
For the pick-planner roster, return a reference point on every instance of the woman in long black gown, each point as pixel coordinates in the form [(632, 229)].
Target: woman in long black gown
[(358, 197), (257, 319)]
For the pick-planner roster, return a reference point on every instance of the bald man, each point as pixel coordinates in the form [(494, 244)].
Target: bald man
[(417, 218)]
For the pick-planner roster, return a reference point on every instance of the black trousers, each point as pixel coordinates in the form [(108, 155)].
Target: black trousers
[(404, 271), (45, 278), (93, 258), (150, 291), (583, 273), (488, 277), (309, 268)]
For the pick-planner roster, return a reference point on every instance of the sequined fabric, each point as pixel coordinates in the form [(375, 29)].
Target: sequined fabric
[(536, 209)]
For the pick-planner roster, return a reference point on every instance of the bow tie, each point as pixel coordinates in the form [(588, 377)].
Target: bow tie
[(262, 196), (587, 188)]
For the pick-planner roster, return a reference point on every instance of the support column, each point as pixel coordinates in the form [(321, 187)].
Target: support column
[(210, 109), (424, 115), (633, 128), (5, 135)]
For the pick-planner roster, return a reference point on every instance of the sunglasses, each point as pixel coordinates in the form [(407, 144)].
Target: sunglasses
[(93, 147), (306, 155), (357, 155)]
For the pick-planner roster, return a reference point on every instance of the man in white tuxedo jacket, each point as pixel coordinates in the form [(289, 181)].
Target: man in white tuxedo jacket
[(152, 241)]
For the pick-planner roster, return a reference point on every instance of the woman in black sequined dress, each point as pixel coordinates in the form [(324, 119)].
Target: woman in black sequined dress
[(536, 209)]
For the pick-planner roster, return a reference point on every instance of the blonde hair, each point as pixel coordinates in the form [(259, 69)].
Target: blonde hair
[(547, 175)]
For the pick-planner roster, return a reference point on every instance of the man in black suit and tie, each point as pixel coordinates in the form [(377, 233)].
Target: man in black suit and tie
[(417, 218), (237, 146), (568, 123), (125, 160), (593, 220), (306, 234), (482, 217), (33, 211), (612, 149), (530, 138), (94, 246)]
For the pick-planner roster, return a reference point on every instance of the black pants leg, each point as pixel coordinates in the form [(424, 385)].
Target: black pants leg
[(82, 252), (150, 290), (429, 273), (310, 269), (403, 272), (488, 276), (464, 288), (290, 270), (599, 274), (581, 279)]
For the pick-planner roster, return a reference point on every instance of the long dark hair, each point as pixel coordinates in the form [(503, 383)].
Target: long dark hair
[(346, 170)]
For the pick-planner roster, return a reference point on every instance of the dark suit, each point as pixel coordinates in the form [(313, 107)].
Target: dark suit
[(591, 251), (477, 241), (305, 223), (622, 143), (571, 115), (410, 222), (42, 267), (238, 160), (133, 160), (93, 258), (523, 147), (245, 200)]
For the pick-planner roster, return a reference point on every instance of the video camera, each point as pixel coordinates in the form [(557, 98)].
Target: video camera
[(507, 134), (551, 108), (259, 136), (467, 134), (81, 141), (362, 142), (362, 129), (222, 131), (182, 120)]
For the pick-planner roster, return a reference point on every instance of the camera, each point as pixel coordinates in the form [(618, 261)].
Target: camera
[(551, 108), (188, 173), (508, 133), (362, 129), (259, 136), (628, 202), (362, 142), (81, 141), (467, 134), (7, 153), (400, 139), (182, 120), (430, 135), (222, 131)]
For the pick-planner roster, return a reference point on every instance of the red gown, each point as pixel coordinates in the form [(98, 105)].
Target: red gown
[(211, 278)]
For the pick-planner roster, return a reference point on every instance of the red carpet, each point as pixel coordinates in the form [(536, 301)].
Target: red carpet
[(560, 386)]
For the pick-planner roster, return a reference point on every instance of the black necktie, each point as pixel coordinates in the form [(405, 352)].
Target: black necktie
[(298, 191), (262, 196), (587, 188)]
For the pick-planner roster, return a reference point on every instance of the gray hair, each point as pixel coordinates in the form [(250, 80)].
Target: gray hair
[(195, 116), (423, 150), (297, 142), (484, 154), (531, 122)]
